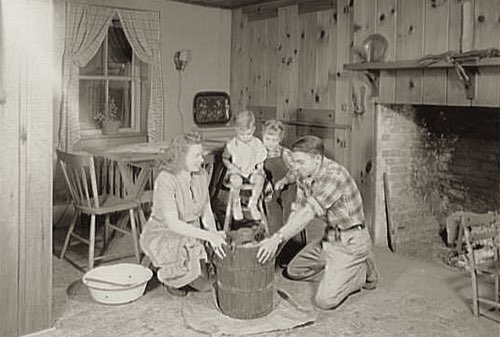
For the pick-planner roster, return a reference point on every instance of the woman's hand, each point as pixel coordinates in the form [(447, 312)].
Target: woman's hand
[(217, 240), (268, 248)]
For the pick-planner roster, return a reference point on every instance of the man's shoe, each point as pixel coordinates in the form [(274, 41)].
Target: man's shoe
[(371, 274), (178, 292)]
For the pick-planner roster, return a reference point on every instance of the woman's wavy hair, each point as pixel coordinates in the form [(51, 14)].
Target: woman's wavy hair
[(175, 154)]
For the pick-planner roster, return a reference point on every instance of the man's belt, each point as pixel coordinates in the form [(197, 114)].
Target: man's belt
[(333, 234), (358, 227)]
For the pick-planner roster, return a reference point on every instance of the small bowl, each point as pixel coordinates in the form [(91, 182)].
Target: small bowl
[(121, 283)]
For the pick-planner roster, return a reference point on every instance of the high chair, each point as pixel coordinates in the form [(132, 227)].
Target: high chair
[(96, 193), (482, 237), (245, 188)]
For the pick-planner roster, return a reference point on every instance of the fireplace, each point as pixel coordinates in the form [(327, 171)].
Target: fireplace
[(438, 160)]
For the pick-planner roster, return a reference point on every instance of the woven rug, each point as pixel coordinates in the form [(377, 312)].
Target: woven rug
[(200, 313)]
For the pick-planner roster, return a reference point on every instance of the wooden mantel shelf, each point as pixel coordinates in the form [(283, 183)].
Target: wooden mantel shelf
[(414, 64), (466, 69)]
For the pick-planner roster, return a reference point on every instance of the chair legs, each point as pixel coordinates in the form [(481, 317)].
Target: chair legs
[(475, 294), (91, 242), (68, 234), (92, 231), (134, 235)]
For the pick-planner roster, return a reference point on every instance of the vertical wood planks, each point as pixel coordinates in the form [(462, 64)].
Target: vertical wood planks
[(10, 136), (386, 26), (257, 62), (326, 65), (239, 75), (288, 68), (487, 14), (455, 92), (409, 42), (35, 245), (363, 125), (342, 83), (317, 63), (435, 41), (307, 59), (26, 134), (271, 59)]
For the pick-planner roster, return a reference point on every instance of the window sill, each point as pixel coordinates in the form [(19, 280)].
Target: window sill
[(100, 141), (120, 134)]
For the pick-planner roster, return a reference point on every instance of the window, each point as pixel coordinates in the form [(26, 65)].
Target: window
[(115, 74)]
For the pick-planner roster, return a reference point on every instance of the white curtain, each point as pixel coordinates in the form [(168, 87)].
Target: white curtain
[(86, 27), (143, 33)]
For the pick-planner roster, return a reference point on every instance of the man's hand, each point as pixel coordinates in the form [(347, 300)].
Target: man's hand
[(268, 248)]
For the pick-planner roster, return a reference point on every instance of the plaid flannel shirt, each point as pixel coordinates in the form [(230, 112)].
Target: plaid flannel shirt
[(333, 195)]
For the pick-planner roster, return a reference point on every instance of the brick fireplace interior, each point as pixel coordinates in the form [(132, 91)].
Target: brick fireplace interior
[(438, 160)]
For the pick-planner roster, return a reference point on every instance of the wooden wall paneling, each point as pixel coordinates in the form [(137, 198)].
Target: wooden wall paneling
[(342, 84), (326, 70), (435, 41), (35, 230), (308, 26), (26, 136), (262, 114), (257, 62), (486, 26), (239, 76), (10, 177), (455, 93), (386, 26), (288, 69), (409, 45), (318, 116), (271, 59), (326, 65), (363, 125)]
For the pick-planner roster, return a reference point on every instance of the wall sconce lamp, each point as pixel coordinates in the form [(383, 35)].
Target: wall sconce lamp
[(181, 59)]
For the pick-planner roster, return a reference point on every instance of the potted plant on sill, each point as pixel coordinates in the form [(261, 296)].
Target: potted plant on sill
[(109, 118)]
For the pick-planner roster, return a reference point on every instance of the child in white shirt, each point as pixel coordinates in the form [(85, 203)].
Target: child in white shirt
[(244, 157)]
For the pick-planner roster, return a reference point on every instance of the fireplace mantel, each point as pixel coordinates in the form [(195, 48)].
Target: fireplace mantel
[(466, 72)]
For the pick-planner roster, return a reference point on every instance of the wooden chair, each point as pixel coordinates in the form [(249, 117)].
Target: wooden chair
[(483, 230), (95, 195)]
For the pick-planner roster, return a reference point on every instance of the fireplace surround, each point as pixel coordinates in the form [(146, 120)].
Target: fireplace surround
[(438, 160)]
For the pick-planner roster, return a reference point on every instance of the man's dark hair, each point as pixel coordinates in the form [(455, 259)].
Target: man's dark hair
[(309, 144)]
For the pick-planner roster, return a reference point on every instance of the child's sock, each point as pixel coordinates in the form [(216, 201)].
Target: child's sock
[(254, 212), (237, 213)]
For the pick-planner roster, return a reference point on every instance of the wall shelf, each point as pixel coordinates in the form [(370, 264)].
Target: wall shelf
[(467, 68), (316, 125), (415, 64)]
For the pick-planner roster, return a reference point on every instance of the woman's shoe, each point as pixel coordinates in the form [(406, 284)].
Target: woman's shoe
[(178, 292), (201, 284)]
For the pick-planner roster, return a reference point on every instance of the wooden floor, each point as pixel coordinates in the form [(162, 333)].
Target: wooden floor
[(414, 298)]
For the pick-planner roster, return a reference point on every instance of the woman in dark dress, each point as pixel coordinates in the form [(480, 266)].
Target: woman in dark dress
[(277, 165)]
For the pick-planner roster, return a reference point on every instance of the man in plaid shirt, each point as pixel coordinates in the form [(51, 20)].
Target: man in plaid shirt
[(341, 260)]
